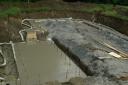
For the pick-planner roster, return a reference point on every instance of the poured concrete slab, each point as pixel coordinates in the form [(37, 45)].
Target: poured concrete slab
[(42, 61)]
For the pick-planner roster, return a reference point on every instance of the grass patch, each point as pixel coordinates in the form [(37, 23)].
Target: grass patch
[(105, 9), (31, 10), (11, 11), (15, 10), (110, 13), (108, 10)]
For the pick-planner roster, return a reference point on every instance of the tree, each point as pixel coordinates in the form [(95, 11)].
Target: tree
[(70, 0), (115, 2)]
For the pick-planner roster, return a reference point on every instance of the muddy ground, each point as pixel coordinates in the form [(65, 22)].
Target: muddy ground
[(9, 31), (9, 72), (84, 44)]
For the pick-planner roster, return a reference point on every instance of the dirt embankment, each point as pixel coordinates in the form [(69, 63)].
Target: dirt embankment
[(9, 28), (116, 23)]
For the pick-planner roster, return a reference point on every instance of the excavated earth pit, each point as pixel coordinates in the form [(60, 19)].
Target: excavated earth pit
[(85, 57)]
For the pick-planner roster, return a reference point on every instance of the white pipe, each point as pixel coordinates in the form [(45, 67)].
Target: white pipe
[(1, 78), (22, 23), (13, 49), (5, 62), (20, 32)]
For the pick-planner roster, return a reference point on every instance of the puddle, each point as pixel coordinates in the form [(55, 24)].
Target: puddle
[(42, 61)]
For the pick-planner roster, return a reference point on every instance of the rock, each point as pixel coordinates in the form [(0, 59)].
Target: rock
[(53, 83), (77, 81), (99, 80)]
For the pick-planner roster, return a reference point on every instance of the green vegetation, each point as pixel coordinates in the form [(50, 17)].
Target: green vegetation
[(18, 0), (120, 2), (40, 9), (105, 9), (115, 2), (118, 12), (15, 10), (10, 11)]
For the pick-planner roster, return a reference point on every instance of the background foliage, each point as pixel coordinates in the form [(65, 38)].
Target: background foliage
[(18, 0), (120, 2)]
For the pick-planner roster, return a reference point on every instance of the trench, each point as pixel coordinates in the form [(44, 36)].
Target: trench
[(74, 57)]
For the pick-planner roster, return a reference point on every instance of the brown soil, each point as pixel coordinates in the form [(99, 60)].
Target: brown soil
[(9, 30), (9, 27)]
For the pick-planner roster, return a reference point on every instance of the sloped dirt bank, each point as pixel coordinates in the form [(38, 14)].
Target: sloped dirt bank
[(115, 23), (9, 28), (118, 24)]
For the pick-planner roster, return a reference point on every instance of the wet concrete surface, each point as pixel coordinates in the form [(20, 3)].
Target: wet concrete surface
[(42, 61), (85, 40)]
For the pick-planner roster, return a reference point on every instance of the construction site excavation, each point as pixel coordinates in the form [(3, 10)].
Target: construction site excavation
[(65, 51)]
